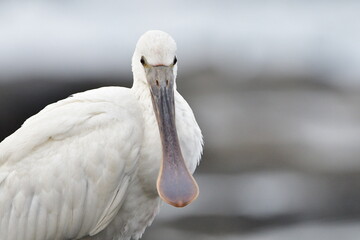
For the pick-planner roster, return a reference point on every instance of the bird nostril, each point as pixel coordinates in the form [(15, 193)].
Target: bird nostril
[(157, 83)]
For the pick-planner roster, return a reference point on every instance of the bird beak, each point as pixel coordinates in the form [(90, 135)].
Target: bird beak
[(175, 184)]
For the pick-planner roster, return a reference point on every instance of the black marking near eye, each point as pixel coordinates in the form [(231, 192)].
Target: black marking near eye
[(142, 60), (175, 61)]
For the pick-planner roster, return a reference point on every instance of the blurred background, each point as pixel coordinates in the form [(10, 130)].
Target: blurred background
[(275, 87)]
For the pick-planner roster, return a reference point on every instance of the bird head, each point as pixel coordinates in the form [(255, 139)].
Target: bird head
[(155, 64)]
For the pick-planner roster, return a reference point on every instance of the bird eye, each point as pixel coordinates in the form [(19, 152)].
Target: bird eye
[(175, 61), (142, 60)]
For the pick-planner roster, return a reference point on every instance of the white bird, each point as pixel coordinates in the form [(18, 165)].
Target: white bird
[(97, 164)]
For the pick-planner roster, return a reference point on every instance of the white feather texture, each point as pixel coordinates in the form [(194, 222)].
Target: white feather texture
[(86, 166)]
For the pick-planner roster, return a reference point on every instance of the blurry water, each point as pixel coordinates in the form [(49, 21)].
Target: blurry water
[(251, 38)]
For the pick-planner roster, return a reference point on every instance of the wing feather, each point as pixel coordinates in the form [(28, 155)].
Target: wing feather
[(64, 174), (112, 207)]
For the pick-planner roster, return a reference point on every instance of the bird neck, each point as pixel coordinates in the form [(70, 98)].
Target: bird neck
[(150, 154), (142, 92)]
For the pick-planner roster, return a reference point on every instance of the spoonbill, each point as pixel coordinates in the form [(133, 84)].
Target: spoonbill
[(97, 164)]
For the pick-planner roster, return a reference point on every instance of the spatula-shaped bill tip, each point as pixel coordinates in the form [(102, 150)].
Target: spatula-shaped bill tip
[(176, 186)]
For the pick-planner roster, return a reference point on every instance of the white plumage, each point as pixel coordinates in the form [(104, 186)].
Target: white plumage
[(86, 167)]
